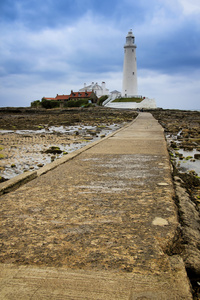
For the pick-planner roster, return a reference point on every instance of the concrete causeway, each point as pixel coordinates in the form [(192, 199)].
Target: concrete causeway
[(99, 226)]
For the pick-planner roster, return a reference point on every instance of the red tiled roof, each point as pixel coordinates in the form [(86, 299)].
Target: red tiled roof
[(62, 97), (73, 95), (80, 94)]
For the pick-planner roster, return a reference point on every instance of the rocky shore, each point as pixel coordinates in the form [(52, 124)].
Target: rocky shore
[(182, 130), (30, 118), (32, 138)]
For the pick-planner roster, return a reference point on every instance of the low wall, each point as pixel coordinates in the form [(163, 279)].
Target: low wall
[(146, 103)]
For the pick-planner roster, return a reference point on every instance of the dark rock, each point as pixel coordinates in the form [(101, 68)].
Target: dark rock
[(40, 165), (173, 144), (53, 150), (2, 179)]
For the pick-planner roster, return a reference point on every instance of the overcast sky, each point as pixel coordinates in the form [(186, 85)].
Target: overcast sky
[(50, 47)]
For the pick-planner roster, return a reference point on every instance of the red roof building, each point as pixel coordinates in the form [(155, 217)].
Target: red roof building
[(75, 96), (83, 95)]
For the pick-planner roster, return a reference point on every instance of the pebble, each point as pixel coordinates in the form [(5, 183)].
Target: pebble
[(160, 221)]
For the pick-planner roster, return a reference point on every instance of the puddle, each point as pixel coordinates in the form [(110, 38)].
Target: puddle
[(188, 163), (185, 159)]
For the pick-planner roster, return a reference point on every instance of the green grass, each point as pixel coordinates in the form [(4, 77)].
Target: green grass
[(136, 100)]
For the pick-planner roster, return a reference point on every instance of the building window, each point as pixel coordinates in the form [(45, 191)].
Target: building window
[(133, 73), (132, 50)]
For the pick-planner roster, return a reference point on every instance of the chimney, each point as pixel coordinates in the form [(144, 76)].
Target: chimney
[(103, 85)]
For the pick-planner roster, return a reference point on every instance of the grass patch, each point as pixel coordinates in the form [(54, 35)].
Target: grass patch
[(133, 99)]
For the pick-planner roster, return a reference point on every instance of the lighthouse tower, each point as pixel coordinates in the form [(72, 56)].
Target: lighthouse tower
[(129, 87)]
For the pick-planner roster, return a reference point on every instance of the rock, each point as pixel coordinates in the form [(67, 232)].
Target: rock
[(173, 144), (197, 155), (2, 179), (192, 172), (92, 132), (40, 165), (88, 138), (160, 222), (190, 221), (178, 154), (53, 150), (188, 148), (192, 261), (178, 179)]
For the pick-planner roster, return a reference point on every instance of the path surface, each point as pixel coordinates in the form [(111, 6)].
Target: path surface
[(97, 227)]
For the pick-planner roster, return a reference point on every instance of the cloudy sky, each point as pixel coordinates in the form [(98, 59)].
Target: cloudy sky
[(50, 47)]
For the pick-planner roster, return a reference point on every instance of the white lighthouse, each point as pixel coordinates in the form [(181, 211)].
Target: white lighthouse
[(129, 87)]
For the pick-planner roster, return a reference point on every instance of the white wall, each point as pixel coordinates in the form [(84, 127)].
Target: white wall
[(146, 103)]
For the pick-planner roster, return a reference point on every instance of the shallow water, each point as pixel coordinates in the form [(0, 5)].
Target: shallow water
[(187, 162)]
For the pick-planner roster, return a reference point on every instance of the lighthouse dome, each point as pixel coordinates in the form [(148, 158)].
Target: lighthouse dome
[(130, 38)]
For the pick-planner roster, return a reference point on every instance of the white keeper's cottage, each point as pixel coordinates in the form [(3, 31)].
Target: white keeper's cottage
[(99, 90)]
